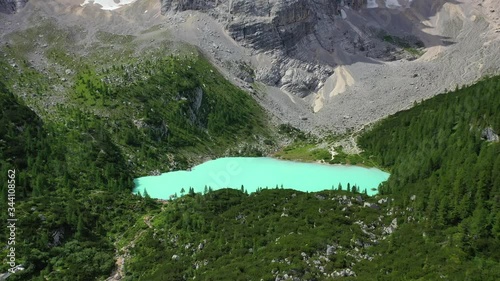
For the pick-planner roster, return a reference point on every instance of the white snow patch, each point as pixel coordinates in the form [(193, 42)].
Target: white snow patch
[(109, 4), (343, 14), (392, 4), (371, 4)]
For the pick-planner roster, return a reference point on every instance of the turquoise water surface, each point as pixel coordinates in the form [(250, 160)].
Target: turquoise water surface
[(255, 172)]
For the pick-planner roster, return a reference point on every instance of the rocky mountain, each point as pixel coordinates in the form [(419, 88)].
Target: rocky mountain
[(323, 60), (11, 6), (96, 93), (291, 31), (337, 65)]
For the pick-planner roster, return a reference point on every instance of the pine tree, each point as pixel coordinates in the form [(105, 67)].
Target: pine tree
[(146, 195), (496, 226), (80, 227)]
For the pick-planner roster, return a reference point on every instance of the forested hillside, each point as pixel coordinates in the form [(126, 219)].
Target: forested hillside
[(437, 217), (444, 158), (74, 168), (270, 234), (442, 211)]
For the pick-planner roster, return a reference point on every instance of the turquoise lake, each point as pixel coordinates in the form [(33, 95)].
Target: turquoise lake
[(255, 172)]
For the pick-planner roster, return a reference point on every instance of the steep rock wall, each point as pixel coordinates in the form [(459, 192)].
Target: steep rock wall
[(291, 31)]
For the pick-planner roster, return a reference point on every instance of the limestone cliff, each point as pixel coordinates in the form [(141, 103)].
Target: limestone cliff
[(300, 35)]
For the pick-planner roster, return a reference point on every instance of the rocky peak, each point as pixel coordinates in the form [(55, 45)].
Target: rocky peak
[(265, 24), (294, 33), (11, 6)]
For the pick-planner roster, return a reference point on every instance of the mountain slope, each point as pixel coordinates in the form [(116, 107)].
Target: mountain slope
[(91, 99), (319, 64), (440, 207), (339, 64), (75, 162), (444, 156)]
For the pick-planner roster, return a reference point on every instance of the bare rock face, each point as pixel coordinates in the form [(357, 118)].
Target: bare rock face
[(300, 35), (281, 26), (183, 5), (262, 24), (11, 6)]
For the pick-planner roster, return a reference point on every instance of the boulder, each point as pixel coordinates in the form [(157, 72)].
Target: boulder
[(489, 134)]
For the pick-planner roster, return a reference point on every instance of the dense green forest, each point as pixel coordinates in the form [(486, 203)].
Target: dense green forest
[(60, 229), (445, 172), (74, 168), (442, 196), (230, 235)]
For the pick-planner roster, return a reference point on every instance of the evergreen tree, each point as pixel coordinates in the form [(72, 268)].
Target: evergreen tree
[(80, 228), (146, 195)]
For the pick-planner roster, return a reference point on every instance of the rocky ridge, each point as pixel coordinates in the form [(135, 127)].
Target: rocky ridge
[(317, 65), (320, 260), (339, 65), (290, 32)]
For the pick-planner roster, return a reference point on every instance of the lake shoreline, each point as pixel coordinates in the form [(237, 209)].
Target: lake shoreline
[(254, 173)]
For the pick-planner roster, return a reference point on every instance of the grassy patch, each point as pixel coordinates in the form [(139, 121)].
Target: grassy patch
[(352, 159), (303, 152), (414, 51), (152, 29), (410, 45), (111, 38), (310, 149)]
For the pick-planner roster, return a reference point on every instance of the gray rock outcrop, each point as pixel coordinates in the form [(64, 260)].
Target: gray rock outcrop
[(392, 227), (11, 6), (330, 250), (489, 135), (292, 32)]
